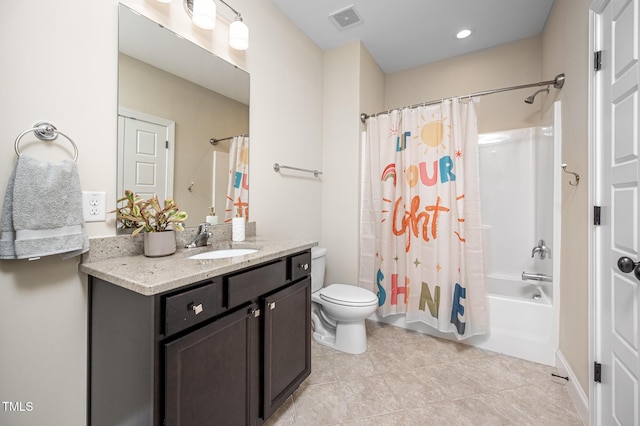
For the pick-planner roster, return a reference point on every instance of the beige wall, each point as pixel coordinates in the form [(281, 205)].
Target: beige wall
[(353, 83), (507, 65), (61, 65), (43, 304), (340, 150), (565, 47), (371, 84), (199, 115)]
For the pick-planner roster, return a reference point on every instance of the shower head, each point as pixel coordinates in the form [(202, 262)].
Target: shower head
[(530, 99)]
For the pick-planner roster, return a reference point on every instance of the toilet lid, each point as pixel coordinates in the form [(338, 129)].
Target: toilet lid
[(344, 294)]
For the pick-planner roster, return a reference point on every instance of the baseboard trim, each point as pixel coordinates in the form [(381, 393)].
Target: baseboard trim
[(580, 399)]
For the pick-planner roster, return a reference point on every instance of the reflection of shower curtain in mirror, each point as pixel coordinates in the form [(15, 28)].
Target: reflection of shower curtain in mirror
[(238, 189), (424, 245)]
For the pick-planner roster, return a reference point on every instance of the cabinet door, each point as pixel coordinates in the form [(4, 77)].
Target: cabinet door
[(212, 374), (287, 343)]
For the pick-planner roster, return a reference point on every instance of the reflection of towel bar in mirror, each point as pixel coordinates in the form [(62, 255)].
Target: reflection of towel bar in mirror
[(277, 167), (45, 132), (577, 176), (214, 141)]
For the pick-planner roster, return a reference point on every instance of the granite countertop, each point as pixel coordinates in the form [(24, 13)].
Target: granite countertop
[(154, 275)]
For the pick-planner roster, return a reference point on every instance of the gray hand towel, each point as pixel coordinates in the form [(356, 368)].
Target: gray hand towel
[(7, 233), (43, 205)]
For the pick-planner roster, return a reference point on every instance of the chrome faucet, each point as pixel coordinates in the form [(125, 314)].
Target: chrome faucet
[(541, 249), (202, 236)]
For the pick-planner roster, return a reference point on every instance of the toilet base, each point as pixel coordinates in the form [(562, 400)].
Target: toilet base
[(350, 337)]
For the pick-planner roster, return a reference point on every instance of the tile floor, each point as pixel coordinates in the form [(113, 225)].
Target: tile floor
[(408, 378)]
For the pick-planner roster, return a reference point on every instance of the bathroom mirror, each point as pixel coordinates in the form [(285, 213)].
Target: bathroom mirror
[(174, 97)]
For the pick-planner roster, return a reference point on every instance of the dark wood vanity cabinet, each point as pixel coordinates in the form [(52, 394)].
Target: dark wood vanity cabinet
[(213, 372), (286, 352), (226, 351)]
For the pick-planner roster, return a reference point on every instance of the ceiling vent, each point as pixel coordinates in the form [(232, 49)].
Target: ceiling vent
[(345, 18)]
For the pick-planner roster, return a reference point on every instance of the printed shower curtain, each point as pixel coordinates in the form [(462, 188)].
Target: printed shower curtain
[(421, 234), (238, 187)]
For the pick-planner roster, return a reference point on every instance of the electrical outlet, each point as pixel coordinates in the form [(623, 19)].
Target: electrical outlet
[(93, 206)]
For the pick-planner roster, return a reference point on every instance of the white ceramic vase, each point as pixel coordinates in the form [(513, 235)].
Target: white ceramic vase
[(157, 244)]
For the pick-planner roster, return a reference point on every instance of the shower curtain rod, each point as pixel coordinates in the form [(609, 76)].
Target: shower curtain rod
[(557, 82), (214, 141)]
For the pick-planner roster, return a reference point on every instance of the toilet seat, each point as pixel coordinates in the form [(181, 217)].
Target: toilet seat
[(348, 295)]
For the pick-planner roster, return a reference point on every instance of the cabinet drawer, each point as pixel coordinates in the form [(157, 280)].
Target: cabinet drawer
[(190, 307), (246, 286), (299, 265)]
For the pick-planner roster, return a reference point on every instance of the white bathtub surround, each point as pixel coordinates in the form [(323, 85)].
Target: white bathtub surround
[(525, 165), (421, 201)]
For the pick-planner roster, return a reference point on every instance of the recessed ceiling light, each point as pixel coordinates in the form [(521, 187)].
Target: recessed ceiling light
[(464, 33)]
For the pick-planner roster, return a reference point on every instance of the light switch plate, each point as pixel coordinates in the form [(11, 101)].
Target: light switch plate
[(94, 206)]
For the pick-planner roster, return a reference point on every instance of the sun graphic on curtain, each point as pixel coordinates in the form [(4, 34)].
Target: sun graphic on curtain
[(431, 133), (244, 155)]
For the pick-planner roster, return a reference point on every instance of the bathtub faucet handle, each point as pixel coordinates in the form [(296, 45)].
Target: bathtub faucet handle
[(541, 249)]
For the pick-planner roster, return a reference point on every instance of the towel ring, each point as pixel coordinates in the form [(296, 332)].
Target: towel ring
[(46, 132)]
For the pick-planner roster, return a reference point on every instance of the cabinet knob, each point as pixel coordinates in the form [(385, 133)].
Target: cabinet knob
[(197, 308), (272, 305), (304, 266)]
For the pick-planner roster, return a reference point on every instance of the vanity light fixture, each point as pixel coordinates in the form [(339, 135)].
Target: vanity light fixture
[(203, 14), (239, 34)]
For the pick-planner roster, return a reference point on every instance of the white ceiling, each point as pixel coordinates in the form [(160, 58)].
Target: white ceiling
[(403, 34)]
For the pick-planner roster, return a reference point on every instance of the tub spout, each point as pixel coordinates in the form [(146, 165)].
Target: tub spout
[(536, 277)]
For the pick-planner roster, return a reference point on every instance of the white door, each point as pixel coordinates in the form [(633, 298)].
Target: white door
[(617, 293), (145, 156)]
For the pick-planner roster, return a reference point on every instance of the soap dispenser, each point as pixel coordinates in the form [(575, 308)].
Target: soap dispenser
[(212, 219)]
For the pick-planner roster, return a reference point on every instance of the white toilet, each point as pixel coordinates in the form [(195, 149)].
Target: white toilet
[(338, 311)]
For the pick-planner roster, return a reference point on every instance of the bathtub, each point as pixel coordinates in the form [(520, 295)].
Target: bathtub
[(521, 317), (521, 320)]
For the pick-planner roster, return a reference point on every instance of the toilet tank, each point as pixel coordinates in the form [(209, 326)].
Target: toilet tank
[(318, 263)]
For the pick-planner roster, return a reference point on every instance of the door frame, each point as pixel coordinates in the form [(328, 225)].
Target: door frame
[(595, 199), (595, 9), (171, 136)]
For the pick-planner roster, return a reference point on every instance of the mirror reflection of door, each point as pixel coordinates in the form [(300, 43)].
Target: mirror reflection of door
[(145, 154)]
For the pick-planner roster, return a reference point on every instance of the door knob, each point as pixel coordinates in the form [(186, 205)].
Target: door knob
[(626, 265)]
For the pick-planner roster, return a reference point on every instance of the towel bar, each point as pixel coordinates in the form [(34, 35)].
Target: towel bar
[(45, 132), (277, 167)]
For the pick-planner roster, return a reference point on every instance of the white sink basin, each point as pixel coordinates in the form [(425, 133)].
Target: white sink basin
[(223, 253)]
